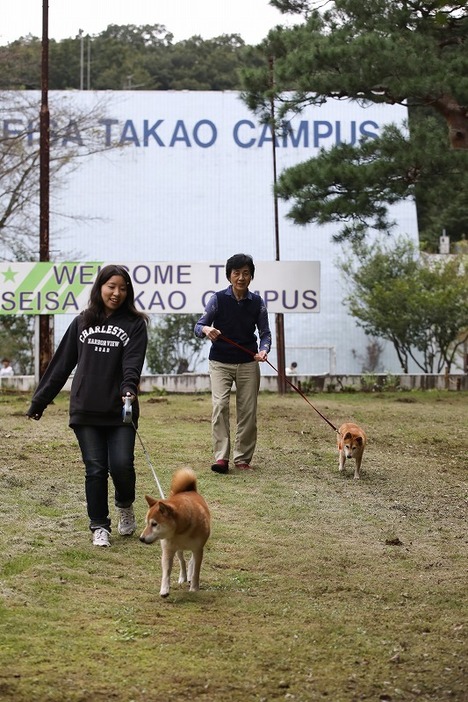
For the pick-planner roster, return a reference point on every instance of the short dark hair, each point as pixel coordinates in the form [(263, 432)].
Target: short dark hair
[(239, 261)]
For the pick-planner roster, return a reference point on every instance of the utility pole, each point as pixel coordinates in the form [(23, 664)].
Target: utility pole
[(88, 71), (80, 34), (45, 332), (279, 318)]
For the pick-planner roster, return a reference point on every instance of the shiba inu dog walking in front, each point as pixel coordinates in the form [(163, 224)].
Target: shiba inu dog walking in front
[(182, 522), (351, 443)]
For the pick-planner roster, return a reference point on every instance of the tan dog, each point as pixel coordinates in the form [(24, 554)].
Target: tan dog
[(351, 444), (182, 522)]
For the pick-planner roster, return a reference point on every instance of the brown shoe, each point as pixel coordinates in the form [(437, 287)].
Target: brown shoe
[(220, 467), (243, 466)]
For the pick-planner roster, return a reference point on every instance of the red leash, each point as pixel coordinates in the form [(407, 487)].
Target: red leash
[(298, 390)]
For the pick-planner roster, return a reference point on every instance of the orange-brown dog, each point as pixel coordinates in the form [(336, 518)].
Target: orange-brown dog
[(351, 444), (182, 522)]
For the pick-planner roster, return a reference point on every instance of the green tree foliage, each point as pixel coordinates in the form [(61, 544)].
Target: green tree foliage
[(20, 62), (129, 57), (17, 334), (121, 56), (419, 305), (172, 344), (411, 53)]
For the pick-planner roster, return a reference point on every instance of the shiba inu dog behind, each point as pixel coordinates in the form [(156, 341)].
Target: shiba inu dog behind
[(351, 444), (181, 522)]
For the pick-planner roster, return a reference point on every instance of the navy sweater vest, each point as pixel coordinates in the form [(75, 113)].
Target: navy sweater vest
[(237, 321)]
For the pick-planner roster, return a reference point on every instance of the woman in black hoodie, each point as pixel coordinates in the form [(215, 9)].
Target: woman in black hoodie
[(107, 344)]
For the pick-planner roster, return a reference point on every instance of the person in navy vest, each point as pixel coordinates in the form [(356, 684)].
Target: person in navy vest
[(230, 320)]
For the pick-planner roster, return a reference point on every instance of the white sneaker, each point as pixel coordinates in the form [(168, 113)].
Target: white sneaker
[(127, 522), (101, 537)]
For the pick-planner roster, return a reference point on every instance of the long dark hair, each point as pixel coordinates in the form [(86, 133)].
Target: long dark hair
[(95, 312)]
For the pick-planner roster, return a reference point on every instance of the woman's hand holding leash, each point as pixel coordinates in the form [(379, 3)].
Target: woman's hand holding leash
[(127, 408)]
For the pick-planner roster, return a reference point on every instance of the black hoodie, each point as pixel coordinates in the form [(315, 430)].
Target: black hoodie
[(108, 357)]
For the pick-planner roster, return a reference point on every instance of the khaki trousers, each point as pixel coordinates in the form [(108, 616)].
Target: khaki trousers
[(246, 377)]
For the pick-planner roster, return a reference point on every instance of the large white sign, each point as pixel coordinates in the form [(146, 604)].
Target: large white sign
[(160, 287), (191, 181)]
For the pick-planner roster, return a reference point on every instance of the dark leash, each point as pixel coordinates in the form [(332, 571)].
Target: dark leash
[(298, 390)]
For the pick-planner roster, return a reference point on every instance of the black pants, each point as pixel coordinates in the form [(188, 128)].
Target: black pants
[(107, 451)]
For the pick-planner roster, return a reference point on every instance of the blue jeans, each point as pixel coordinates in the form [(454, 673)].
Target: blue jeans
[(107, 451)]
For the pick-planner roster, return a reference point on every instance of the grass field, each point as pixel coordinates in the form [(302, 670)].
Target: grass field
[(314, 586)]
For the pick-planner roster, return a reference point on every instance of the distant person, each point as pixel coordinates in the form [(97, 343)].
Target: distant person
[(107, 344), (235, 313), (292, 369), (6, 371)]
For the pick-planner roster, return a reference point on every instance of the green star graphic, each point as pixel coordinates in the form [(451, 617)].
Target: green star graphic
[(9, 275)]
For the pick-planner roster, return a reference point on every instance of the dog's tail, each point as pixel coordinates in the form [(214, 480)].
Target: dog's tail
[(184, 480)]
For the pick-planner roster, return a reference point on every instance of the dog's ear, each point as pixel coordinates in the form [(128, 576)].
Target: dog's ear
[(359, 440), (150, 500), (348, 435), (165, 509)]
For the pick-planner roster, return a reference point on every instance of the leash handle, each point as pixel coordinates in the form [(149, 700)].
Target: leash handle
[(127, 409), (251, 353)]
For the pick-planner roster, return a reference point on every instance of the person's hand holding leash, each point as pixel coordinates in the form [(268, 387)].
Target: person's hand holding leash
[(261, 356), (211, 333), (127, 408)]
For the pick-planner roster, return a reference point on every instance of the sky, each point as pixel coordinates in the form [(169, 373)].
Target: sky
[(252, 19)]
